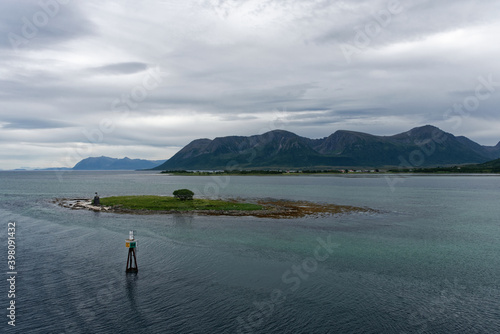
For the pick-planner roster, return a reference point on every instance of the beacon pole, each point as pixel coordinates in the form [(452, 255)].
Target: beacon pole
[(131, 244)]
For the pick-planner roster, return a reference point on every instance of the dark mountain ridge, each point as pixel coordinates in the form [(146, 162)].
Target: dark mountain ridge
[(422, 146)]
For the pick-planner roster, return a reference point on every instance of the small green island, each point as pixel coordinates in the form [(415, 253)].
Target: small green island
[(183, 203), (167, 203)]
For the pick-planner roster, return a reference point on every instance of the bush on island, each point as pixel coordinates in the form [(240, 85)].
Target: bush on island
[(184, 194)]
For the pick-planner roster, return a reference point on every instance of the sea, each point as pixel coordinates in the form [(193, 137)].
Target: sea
[(426, 260)]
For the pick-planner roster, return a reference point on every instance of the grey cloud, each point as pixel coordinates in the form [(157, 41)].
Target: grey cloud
[(39, 24), (35, 124), (358, 112), (230, 67), (417, 19), (333, 116), (461, 93), (238, 117), (121, 68), (235, 99)]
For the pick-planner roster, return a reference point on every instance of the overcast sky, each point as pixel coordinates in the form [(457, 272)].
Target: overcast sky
[(144, 78)]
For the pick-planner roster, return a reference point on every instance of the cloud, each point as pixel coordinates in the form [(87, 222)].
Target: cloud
[(86, 77), (401, 21), (121, 68), (33, 24), (34, 124)]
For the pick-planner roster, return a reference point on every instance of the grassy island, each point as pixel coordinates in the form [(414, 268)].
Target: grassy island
[(264, 208), (166, 203)]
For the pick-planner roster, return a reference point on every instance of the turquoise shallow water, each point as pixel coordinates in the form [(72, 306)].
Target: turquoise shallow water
[(426, 263)]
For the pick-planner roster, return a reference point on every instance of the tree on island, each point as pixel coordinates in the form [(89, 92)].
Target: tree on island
[(184, 194)]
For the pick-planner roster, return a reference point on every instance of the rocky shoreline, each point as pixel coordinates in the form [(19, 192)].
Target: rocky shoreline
[(80, 204), (272, 209)]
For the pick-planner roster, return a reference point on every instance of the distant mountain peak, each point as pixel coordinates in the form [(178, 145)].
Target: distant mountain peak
[(427, 127), (282, 132), (425, 130), (107, 163)]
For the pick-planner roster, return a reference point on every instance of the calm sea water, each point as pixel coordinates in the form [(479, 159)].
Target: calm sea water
[(428, 262)]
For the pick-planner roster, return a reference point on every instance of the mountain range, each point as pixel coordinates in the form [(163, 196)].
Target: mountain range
[(418, 147), (107, 163)]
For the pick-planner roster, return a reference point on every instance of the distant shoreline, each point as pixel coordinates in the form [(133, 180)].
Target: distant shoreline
[(387, 173)]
